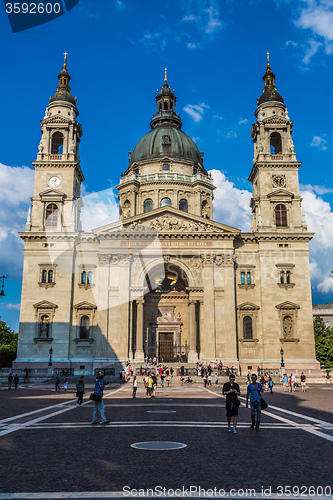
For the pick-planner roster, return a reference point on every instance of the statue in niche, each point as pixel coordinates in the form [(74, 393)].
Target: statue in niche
[(204, 210), (44, 327), (287, 326), (260, 147)]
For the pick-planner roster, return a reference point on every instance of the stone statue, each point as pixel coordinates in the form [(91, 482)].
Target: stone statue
[(260, 147), (40, 147), (287, 326)]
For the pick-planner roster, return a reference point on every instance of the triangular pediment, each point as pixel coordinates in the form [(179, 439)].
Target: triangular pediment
[(280, 193), (85, 305), (287, 305), (45, 304), (52, 193), (167, 220), (248, 306)]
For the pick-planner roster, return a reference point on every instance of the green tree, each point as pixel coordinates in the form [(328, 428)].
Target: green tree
[(8, 345), (324, 342)]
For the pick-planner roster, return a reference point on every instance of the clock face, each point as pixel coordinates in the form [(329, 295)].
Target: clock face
[(54, 181), (279, 181)]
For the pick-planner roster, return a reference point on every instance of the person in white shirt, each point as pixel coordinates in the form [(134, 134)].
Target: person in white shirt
[(135, 387)]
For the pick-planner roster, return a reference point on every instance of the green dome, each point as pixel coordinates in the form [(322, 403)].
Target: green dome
[(179, 147)]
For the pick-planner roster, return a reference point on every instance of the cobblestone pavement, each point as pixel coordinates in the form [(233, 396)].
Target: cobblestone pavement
[(47, 444)]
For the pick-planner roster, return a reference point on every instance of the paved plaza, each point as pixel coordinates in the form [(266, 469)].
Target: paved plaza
[(49, 449)]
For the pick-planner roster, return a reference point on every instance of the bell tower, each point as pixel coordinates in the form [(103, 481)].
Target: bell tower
[(56, 201), (276, 202)]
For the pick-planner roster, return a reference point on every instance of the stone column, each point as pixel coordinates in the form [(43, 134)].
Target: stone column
[(139, 355), (192, 355)]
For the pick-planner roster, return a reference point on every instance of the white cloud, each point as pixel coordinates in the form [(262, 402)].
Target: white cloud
[(318, 17), (319, 142), (193, 45), (213, 23), (196, 111), (218, 117), (99, 209), (16, 189), (121, 6), (231, 205), (230, 134), (242, 121), (205, 15), (311, 49), (315, 189), (15, 307), (319, 217)]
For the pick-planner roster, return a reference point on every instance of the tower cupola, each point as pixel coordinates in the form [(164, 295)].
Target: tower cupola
[(166, 101), (269, 90), (63, 92)]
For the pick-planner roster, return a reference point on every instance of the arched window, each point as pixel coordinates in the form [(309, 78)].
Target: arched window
[(84, 278), (165, 202), (44, 276), (280, 216), (247, 328), (148, 205), (44, 326), (51, 216), (57, 143), (242, 278), (89, 278), (183, 205), (248, 278), (50, 276), (127, 209), (281, 276), (275, 143), (165, 166), (288, 273), (84, 327)]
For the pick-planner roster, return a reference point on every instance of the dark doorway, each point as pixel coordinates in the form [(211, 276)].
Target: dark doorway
[(166, 348)]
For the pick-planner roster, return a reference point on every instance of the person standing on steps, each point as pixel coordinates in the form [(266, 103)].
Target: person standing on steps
[(231, 391), (254, 389)]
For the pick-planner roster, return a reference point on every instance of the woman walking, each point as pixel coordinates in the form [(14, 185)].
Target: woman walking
[(135, 387)]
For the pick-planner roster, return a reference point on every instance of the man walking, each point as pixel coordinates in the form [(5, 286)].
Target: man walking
[(303, 382), (231, 391), (99, 405), (254, 389)]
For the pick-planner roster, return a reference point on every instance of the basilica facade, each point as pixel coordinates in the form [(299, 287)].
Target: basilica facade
[(166, 280)]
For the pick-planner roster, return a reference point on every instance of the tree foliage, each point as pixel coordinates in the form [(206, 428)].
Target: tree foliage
[(324, 342), (8, 345)]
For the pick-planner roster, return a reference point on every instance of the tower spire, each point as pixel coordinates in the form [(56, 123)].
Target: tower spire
[(64, 77), (269, 78), (165, 76)]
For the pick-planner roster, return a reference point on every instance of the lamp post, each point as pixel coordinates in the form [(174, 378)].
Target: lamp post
[(50, 361), (282, 362), (2, 293)]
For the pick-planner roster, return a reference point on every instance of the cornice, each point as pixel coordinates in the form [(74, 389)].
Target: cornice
[(257, 237)]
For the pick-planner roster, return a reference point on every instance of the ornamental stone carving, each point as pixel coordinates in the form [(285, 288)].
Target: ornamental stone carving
[(120, 260), (104, 260)]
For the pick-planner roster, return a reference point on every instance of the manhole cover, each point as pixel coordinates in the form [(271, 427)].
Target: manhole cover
[(158, 445), (161, 411)]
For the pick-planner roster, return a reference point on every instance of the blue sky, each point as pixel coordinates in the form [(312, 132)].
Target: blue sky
[(215, 52)]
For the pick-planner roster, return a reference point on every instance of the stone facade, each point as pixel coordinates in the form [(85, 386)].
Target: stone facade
[(166, 280)]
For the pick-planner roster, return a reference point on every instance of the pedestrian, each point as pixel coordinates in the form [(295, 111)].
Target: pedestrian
[(150, 385), (231, 391), (254, 389), (154, 385), (284, 380), (303, 382), (216, 379), (80, 391), (10, 380), (168, 380), (65, 383), (205, 380), (270, 385), (293, 382), (135, 387), (57, 383), (248, 378), (16, 381), (162, 380), (99, 405), (209, 380)]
